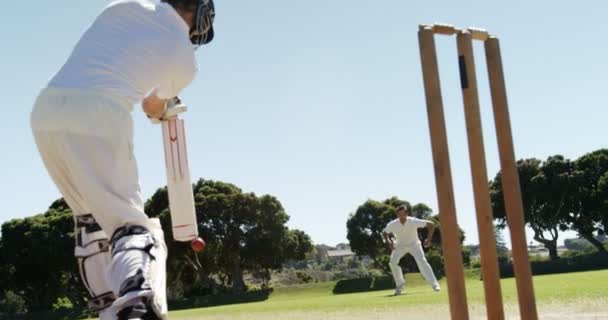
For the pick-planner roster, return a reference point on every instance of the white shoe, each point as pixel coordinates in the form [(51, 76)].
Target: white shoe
[(436, 288), (399, 290)]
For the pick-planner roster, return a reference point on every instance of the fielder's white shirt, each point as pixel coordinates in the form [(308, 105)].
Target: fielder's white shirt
[(133, 47), (406, 233)]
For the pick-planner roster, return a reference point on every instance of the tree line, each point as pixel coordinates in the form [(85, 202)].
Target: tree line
[(245, 234), (558, 194)]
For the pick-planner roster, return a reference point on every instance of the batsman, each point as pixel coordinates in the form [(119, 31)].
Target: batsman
[(135, 51)]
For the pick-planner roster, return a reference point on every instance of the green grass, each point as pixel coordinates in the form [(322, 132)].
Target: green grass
[(550, 289)]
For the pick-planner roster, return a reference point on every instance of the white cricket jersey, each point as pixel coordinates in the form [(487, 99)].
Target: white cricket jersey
[(406, 233), (133, 47)]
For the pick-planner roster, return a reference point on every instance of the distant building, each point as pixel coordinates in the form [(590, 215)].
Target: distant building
[(540, 250), (534, 249), (340, 255)]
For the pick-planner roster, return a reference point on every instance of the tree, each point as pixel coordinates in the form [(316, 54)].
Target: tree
[(422, 211), (5, 268), (553, 187), (545, 187), (589, 212), (244, 232), (40, 251), (12, 303), (298, 246), (365, 229)]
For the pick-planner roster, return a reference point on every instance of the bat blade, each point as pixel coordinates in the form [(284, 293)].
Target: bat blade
[(179, 184)]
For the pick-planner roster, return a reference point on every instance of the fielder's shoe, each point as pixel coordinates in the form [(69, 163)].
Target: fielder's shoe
[(399, 290), (436, 288)]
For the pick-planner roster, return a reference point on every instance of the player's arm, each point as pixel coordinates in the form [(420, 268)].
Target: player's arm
[(388, 240), (181, 69), (430, 226)]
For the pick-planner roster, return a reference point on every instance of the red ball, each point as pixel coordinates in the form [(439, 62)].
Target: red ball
[(198, 245)]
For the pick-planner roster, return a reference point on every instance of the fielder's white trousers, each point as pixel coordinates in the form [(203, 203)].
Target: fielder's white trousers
[(85, 139), (416, 251)]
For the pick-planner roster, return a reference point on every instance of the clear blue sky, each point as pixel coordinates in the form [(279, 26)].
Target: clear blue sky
[(320, 103)]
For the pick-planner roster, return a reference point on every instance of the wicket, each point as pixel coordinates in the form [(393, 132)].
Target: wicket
[(443, 174)]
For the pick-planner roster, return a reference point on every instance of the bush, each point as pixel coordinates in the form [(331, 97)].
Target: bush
[(381, 263), (538, 258), (578, 244), (329, 265), (63, 304), (12, 303), (563, 265), (290, 277), (503, 259), (376, 273), (383, 283), (320, 276), (303, 277), (436, 261), (466, 256), (354, 264), (351, 274), (476, 264), (364, 284), (353, 285)]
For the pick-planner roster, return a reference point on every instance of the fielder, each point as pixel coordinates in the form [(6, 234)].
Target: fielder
[(136, 50), (405, 230)]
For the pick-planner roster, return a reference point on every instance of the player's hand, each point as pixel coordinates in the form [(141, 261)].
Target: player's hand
[(153, 106), (390, 246), (172, 108), (427, 243)]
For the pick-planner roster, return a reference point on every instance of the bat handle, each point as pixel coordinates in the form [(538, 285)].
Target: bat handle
[(198, 244)]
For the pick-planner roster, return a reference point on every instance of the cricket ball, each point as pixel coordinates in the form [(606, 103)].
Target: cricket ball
[(198, 245)]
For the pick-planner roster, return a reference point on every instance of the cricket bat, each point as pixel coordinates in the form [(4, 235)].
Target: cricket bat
[(179, 184)]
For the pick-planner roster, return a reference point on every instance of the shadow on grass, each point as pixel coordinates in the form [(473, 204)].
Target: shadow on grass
[(408, 293)]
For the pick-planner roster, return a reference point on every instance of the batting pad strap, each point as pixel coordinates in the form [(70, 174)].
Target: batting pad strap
[(128, 230), (136, 282), (101, 302), (132, 237), (87, 221), (93, 248)]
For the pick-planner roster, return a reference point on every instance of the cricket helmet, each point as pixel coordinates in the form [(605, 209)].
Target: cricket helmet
[(204, 13)]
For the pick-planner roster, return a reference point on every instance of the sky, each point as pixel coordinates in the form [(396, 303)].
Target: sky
[(320, 103)]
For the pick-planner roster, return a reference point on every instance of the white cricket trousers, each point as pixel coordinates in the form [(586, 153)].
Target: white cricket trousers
[(85, 139), (416, 251)]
